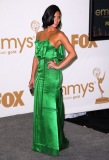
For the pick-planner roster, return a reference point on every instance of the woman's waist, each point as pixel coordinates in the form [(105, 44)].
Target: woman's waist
[(43, 63), (44, 70), (46, 60)]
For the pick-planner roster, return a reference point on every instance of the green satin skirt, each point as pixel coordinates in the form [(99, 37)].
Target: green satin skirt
[(48, 123)]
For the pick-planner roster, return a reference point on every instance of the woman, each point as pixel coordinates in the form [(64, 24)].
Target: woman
[(46, 76)]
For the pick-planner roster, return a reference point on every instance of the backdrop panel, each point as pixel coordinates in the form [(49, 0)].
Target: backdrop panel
[(85, 81)]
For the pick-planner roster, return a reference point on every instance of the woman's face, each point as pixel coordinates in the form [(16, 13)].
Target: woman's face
[(57, 18)]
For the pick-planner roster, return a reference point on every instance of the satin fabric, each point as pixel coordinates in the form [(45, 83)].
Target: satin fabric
[(48, 123)]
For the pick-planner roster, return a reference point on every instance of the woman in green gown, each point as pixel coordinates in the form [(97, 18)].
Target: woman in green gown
[(46, 77)]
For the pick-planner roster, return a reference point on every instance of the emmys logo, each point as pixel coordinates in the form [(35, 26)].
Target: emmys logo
[(35, 27), (96, 73), (12, 44), (15, 43), (102, 12), (76, 89), (11, 99)]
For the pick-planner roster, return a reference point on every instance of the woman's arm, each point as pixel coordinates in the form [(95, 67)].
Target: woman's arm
[(69, 48), (34, 68)]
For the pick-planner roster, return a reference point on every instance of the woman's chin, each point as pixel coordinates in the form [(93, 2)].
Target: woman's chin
[(55, 25)]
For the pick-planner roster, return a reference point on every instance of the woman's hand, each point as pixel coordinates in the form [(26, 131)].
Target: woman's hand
[(31, 82), (52, 64)]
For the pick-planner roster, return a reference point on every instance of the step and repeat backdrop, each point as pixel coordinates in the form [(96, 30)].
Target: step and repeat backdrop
[(85, 81)]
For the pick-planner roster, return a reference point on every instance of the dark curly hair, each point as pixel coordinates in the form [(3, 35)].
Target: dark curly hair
[(48, 16)]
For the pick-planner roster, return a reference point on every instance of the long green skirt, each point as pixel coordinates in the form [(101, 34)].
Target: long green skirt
[(48, 123)]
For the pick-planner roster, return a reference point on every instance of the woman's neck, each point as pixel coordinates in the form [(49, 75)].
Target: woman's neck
[(51, 29)]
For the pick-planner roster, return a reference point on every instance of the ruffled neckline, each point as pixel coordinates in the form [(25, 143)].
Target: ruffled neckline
[(42, 47), (47, 39)]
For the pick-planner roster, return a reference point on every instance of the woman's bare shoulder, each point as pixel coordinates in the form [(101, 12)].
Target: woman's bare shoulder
[(38, 34), (62, 35)]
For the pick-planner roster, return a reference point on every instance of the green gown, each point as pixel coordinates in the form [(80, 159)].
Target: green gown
[(48, 123)]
